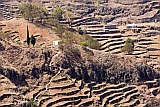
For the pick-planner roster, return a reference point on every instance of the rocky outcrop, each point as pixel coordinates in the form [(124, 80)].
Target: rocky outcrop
[(129, 2), (124, 10), (109, 68), (14, 76)]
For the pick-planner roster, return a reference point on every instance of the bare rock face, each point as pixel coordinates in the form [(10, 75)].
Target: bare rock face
[(101, 67), (125, 10)]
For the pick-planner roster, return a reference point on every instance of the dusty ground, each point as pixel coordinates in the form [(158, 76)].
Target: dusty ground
[(20, 25)]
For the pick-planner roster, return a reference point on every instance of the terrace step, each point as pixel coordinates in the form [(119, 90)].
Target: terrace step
[(67, 103), (59, 79), (56, 99), (108, 87), (7, 94), (110, 98), (129, 97), (111, 91), (116, 99), (146, 43), (42, 99), (61, 86), (103, 42), (85, 102), (114, 43), (65, 92), (116, 51), (131, 104), (6, 104), (98, 86), (130, 92), (116, 35), (35, 92), (111, 48), (139, 52)]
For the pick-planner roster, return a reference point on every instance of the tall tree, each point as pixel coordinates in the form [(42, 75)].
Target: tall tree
[(28, 38), (33, 40)]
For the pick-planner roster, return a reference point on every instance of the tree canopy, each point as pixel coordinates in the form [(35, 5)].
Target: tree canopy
[(58, 13), (31, 11)]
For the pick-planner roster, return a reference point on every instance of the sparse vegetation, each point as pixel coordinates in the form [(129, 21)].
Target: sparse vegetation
[(31, 103), (68, 8), (84, 40), (123, 31), (58, 14), (59, 30)]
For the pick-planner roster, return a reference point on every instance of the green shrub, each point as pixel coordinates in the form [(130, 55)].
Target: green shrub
[(123, 31), (128, 47), (18, 42), (83, 43), (68, 8)]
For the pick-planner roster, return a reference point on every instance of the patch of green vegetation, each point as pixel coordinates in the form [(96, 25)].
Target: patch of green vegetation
[(68, 8), (19, 43), (73, 37), (32, 11), (32, 103), (83, 43), (116, 105), (123, 31), (58, 13), (132, 99), (128, 47)]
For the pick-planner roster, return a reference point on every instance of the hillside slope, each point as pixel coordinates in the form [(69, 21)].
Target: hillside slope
[(37, 74), (78, 62)]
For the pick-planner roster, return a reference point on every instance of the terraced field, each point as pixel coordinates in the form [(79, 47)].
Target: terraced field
[(146, 42), (112, 40), (9, 94), (145, 46), (63, 91)]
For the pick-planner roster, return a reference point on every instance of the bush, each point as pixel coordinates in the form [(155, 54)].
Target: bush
[(123, 31), (90, 42), (83, 43), (68, 8), (58, 13), (129, 46)]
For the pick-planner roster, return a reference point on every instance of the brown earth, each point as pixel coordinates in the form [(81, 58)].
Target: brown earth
[(20, 25)]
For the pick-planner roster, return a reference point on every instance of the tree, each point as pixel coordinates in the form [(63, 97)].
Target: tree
[(31, 11), (28, 38), (58, 13), (33, 40), (128, 47)]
